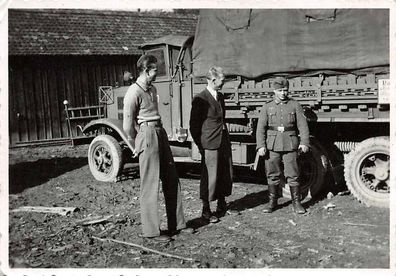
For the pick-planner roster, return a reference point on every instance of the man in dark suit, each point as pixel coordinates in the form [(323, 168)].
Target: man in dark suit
[(210, 134), (280, 122)]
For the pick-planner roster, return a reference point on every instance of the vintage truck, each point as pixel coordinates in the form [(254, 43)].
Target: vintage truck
[(337, 63)]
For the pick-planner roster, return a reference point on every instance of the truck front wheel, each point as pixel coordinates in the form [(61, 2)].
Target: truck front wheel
[(367, 171), (105, 158)]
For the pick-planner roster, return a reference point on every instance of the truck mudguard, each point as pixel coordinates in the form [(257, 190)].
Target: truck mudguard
[(114, 124)]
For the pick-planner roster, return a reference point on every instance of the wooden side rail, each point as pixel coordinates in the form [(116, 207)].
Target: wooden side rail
[(78, 117)]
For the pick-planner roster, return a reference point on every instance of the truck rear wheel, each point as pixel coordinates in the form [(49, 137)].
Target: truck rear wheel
[(105, 158), (313, 167), (367, 172)]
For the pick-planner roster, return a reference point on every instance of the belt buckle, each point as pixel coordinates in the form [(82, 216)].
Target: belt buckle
[(281, 128)]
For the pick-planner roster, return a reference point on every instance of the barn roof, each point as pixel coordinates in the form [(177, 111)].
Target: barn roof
[(90, 32)]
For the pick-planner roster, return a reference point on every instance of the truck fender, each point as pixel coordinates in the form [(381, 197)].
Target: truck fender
[(114, 124)]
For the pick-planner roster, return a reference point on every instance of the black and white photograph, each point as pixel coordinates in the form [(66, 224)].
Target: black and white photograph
[(187, 138)]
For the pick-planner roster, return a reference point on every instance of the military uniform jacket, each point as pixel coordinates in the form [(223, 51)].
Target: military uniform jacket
[(287, 115), (207, 120)]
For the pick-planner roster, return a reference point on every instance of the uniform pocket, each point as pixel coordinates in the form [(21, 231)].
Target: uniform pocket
[(270, 141), (272, 117), (292, 117), (294, 141)]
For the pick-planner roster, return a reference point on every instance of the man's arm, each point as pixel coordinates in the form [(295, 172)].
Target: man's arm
[(130, 110), (199, 111), (302, 125), (261, 131)]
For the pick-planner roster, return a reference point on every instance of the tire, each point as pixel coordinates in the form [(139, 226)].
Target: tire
[(367, 172), (313, 169), (105, 158)]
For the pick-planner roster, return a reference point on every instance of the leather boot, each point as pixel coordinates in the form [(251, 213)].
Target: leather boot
[(295, 195), (273, 199)]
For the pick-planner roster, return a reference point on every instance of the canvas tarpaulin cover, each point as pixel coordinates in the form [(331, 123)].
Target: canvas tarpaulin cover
[(256, 42)]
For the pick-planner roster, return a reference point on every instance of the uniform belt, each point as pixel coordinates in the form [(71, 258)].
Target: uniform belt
[(151, 123), (281, 128)]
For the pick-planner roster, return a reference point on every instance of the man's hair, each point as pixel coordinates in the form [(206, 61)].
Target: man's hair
[(214, 72), (145, 62)]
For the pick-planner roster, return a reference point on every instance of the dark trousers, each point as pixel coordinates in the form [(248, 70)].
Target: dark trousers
[(216, 172), (155, 163), (274, 170)]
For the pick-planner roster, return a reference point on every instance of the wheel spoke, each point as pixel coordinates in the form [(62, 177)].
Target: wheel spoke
[(375, 183), (107, 160)]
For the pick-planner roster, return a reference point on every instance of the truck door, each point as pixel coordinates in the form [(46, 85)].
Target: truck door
[(164, 86)]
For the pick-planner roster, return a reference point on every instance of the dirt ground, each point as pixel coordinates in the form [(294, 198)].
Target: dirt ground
[(335, 232)]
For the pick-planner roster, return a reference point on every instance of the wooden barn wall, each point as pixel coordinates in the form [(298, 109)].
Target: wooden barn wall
[(38, 85)]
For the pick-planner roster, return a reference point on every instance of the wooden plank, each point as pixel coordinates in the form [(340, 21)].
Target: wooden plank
[(59, 100), (86, 117), (83, 107), (22, 115), (13, 103), (105, 74), (91, 84), (119, 74), (84, 83), (69, 85), (63, 95), (39, 99), (47, 104), (77, 87), (31, 106), (41, 209), (98, 77), (54, 103), (112, 74)]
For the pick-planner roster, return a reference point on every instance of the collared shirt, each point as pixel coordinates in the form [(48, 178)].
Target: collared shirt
[(281, 102), (212, 92), (140, 105)]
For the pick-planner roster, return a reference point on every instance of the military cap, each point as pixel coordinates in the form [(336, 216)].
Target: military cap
[(280, 82)]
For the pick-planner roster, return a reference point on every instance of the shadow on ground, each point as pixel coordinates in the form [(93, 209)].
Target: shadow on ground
[(247, 202), (30, 174)]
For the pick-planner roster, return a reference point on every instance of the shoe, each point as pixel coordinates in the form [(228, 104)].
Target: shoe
[(222, 212), (221, 209), (161, 238), (187, 231), (232, 212), (273, 199), (295, 195), (208, 216), (182, 231), (213, 219)]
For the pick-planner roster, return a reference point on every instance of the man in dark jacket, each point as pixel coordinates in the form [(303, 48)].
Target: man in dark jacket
[(279, 124), (210, 134)]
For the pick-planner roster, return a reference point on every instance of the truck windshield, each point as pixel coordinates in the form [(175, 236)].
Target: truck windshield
[(160, 55)]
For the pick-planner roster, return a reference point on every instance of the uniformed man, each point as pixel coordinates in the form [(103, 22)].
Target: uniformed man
[(142, 124), (280, 122)]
